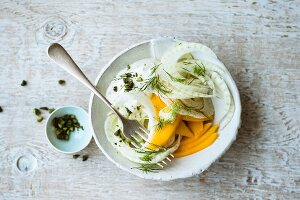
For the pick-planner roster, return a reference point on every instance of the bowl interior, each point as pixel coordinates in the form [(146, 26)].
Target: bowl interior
[(179, 168), (79, 139)]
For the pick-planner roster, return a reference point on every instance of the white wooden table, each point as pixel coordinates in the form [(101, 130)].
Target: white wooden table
[(259, 41)]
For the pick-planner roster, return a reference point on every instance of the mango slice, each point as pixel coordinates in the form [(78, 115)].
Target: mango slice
[(163, 135), (199, 140), (189, 140), (196, 127), (184, 152), (157, 103), (183, 130)]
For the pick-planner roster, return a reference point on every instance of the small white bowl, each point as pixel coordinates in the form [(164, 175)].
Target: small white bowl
[(79, 139), (180, 167)]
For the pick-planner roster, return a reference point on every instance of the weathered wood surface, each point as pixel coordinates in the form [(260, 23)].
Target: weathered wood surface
[(259, 41)]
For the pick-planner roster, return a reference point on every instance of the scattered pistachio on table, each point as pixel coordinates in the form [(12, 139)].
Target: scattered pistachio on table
[(36, 111), (85, 157), (50, 110), (62, 82), (39, 119), (23, 83), (44, 108), (76, 156)]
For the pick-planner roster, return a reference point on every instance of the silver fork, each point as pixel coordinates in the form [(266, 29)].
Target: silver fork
[(132, 129)]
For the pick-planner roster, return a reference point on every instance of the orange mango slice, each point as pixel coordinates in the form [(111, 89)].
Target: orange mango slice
[(196, 127), (189, 140), (162, 135), (157, 103), (206, 143), (183, 130), (199, 140)]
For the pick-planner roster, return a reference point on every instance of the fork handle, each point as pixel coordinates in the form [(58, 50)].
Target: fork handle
[(61, 57)]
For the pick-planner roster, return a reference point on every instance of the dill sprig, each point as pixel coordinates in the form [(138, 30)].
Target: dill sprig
[(149, 167), (160, 150), (154, 83), (187, 63), (149, 154), (199, 69), (180, 80), (154, 68), (147, 157), (176, 106), (162, 122)]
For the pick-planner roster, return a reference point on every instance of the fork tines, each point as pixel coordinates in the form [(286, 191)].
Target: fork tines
[(142, 135)]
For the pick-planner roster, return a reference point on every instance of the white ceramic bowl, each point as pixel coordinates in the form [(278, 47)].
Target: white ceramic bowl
[(79, 139), (180, 167)]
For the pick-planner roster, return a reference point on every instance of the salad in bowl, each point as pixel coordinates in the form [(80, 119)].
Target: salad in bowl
[(181, 93)]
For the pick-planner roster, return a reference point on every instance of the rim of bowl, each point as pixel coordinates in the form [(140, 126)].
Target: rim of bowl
[(167, 178), (90, 135)]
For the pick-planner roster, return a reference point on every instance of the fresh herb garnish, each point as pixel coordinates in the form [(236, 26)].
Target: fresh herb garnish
[(147, 157), (176, 106), (191, 81), (1, 109), (36, 111), (154, 68), (149, 167), (24, 83), (199, 69), (149, 154), (76, 156), (180, 80), (118, 133), (85, 157), (187, 63), (128, 66), (62, 82), (162, 122), (154, 83), (65, 125)]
